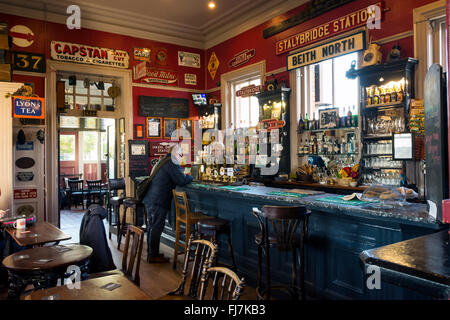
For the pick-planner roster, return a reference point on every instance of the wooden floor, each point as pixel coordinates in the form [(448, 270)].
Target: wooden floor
[(156, 279)]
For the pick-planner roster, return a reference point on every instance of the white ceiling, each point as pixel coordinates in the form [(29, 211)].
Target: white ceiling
[(184, 22)]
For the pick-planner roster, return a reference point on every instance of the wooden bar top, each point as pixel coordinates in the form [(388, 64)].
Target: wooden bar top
[(37, 234), (315, 185), (92, 290)]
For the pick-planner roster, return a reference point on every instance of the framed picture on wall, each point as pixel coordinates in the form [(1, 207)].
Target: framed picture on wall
[(138, 131), (154, 126), (170, 126), (328, 118), (187, 125), (121, 125)]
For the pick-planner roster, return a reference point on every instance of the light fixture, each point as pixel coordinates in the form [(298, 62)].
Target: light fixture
[(211, 4)]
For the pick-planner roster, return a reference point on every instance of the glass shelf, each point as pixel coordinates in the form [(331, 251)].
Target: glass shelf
[(328, 129), (327, 155), (395, 104)]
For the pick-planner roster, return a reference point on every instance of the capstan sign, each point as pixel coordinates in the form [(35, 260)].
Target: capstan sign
[(79, 53)]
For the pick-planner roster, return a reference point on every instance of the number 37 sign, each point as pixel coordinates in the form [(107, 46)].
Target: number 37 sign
[(26, 61)]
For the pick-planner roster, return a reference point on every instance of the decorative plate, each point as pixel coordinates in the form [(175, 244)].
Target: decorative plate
[(25, 163)]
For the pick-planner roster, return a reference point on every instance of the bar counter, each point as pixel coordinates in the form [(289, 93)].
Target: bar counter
[(338, 233), (421, 264)]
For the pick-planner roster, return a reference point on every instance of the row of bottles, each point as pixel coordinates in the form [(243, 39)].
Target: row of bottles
[(350, 120), (391, 93), (327, 146)]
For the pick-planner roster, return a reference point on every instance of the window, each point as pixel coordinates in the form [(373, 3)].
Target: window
[(67, 147), (239, 112), (326, 86), (90, 145), (246, 108), (69, 122), (104, 145), (87, 94), (429, 29)]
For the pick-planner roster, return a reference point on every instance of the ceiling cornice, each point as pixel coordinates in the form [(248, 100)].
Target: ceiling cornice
[(249, 14)]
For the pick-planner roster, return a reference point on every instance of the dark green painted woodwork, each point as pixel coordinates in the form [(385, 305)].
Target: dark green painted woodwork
[(333, 268)]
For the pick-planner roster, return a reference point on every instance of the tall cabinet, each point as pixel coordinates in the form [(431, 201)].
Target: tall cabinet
[(386, 93), (274, 114)]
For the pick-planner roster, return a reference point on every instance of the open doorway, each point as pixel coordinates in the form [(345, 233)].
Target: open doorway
[(86, 161)]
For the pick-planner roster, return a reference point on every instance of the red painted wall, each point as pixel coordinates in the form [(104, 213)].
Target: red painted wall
[(399, 19), (45, 32)]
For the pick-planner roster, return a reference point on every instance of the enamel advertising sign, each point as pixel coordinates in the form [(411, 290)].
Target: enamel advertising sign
[(28, 107), (159, 76), (79, 53), (331, 28), (241, 58), (332, 49)]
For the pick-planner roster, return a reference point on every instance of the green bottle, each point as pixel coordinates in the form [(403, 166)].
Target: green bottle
[(306, 122)]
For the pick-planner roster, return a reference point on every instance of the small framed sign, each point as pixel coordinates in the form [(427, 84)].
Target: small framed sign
[(28, 107), (154, 127), (139, 131), (403, 146), (187, 125), (170, 126), (328, 118)]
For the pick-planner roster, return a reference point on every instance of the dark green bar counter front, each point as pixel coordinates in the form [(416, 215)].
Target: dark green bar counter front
[(338, 233)]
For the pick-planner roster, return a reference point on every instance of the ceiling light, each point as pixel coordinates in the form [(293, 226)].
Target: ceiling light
[(211, 4)]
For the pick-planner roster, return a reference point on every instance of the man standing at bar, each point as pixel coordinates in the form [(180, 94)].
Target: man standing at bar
[(165, 176)]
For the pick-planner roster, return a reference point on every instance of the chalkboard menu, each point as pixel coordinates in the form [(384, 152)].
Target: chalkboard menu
[(436, 150), (139, 160), (163, 107)]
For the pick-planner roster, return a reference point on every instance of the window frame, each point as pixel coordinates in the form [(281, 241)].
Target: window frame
[(226, 86)]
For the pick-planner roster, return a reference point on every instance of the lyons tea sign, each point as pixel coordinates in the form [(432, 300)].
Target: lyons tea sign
[(28, 107)]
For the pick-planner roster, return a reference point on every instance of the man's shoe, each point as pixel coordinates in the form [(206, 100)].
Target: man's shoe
[(157, 259)]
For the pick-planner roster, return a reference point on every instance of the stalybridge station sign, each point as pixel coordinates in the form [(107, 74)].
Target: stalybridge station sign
[(80, 53)]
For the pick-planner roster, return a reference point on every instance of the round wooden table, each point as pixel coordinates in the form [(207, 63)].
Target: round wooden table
[(43, 266)]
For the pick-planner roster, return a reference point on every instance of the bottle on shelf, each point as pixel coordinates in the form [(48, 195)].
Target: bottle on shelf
[(387, 96), (349, 118), (301, 124), (376, 97), (369, 96), (394, 94), (381, 95), (306, 122), (313, 122), (343, 121), (354, 117), (400, 94)]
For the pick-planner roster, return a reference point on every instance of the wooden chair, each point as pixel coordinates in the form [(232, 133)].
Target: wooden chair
[(94, 192), (131, 259), (76, 192), (114, 201), (204, 254), (225, 284), (184, 215), (279, 226)]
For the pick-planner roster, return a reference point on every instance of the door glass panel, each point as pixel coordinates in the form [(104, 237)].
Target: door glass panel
[(80, 89), (81, 102), (89, 143), (67, 147)]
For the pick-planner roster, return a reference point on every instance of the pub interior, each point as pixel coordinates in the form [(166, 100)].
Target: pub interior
[(311, 138)]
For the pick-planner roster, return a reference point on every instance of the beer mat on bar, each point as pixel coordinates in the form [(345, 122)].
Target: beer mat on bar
[(110, 286), (287, 194), (51, 297), (61, 249), (339, 200), (234, 188), (43, 261), (201, 185)]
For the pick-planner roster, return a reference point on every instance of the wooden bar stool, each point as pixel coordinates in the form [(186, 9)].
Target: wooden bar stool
[(114, 201), (213, 228), (279, 230), (135, 206), (184, 215)]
